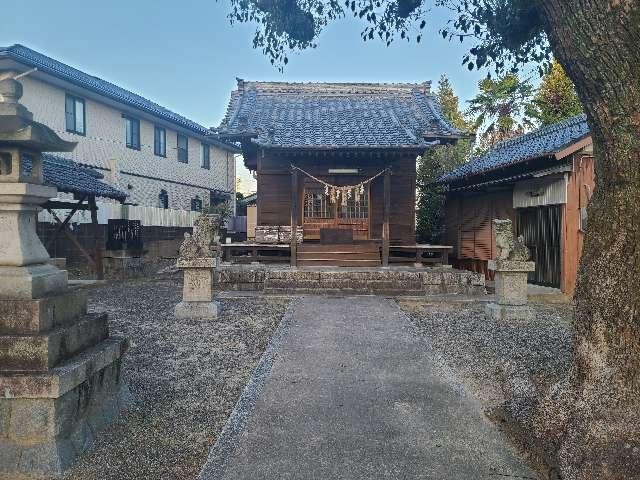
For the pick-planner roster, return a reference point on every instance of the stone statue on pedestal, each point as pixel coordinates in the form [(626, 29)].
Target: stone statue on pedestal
[(511, 268), (506, 247), (204, 243), (199, 255)]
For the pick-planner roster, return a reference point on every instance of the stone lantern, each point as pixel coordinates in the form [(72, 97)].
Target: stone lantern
[(22, 255), (59, 369)]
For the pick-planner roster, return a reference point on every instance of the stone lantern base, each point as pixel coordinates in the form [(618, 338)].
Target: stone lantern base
[(197, 293), (511, 290), (60, 382)]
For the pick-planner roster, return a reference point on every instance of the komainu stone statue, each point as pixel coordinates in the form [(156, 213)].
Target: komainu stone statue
[(199, 254), (204, 241), (512, 267), (506, 247)]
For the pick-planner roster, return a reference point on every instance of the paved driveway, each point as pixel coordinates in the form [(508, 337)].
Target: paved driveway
[(348, 391)]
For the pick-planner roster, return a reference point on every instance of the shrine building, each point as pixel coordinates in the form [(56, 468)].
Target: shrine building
[(337, 159)]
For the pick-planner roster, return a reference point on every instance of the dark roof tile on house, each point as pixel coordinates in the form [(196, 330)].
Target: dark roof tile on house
[(543, 142), (248, 200), (43, 63), (69, 177), (333, 115)]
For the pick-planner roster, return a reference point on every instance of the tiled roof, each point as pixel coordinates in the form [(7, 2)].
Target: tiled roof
[(248, 200), (31, 58), (70, 177), (543, 142), (330, 115)]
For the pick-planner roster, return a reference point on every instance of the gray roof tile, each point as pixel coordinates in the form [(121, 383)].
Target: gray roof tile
[(543, 142), (70, 177), (321, 115)]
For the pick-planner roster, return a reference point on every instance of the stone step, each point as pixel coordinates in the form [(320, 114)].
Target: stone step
[(389, 282), (40, 352), (30, 316), (343, 291)]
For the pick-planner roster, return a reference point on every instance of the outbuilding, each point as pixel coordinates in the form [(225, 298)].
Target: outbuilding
[(542, 181)]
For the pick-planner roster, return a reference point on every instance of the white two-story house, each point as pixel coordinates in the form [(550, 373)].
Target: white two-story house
[(158, 157)]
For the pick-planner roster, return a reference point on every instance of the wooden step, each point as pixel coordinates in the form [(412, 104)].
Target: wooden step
[(354, 248), (338, 255), (339, 252), (362, 254), (339, 263)]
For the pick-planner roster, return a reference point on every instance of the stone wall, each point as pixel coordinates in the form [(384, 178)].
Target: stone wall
[(349, 281), (104, 147)]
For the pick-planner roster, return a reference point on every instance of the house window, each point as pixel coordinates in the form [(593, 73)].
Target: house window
[(74, 114), (204, 158), (163, 199), (196, 204), (183, 149), (160, 142), (132, 132)]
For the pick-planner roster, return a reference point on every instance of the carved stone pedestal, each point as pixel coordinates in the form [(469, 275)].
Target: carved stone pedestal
[(511, 290), (197, 291)]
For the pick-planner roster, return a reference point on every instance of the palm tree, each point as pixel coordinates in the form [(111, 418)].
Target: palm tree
[(498, 107)]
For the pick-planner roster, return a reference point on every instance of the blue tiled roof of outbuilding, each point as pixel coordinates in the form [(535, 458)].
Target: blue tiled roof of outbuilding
[(71, 177), (543, 142)]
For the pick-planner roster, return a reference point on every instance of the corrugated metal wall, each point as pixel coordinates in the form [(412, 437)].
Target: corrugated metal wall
[(541, 229), (148, 216), (540, 191)]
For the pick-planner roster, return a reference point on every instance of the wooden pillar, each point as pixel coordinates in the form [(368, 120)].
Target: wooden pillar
[(294, 217), (98, 240), (385, 218), (445, 257)]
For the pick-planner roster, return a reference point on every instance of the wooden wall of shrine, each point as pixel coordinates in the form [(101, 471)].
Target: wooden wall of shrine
[(274, 182)]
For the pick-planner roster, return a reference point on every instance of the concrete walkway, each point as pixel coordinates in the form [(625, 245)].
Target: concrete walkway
[(349, 392)]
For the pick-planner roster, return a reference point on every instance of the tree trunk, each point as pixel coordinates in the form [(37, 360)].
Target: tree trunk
[(593, 419)]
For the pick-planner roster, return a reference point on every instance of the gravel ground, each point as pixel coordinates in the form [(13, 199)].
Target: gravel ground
[(508, 366), (497, 360), (185, 376)]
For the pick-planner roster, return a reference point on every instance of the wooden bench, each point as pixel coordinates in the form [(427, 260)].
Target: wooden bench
[(255, 252), (437, 254)]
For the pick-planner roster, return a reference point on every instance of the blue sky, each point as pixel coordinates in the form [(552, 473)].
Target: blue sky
[(185, 55)]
